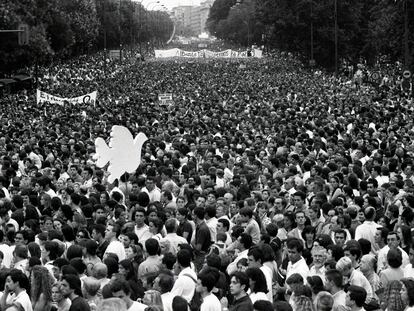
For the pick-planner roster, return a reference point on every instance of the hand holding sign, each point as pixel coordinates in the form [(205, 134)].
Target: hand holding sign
[(123, 152)]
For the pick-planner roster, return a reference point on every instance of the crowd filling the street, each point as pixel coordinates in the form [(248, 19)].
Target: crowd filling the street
[(263, 185)]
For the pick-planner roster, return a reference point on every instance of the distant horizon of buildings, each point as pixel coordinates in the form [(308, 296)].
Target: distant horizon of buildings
[(192, 18)]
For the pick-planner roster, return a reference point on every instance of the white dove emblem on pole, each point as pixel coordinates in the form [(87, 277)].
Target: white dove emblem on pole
[(123, 152)]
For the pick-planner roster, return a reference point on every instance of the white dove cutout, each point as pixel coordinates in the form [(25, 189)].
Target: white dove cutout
[(123, 152)]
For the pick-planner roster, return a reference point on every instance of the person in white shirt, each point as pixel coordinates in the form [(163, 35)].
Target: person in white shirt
[(205, 285), (15, 291), (211, 221), (393, 241), (255, 257), (244, 242), (319, 256), (355, 277), (186, 282), (112, 233), (141, 228), (121, 289), (368, 229), (7, 252), (164, 283), (409, 269), (152, 190), (297, 263), (335, 285), (172, 237)]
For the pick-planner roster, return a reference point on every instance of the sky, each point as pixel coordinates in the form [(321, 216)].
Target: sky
[(169, 3)]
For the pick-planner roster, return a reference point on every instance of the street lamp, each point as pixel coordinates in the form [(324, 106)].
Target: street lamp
[(312, 60), (336, 37), (406, 48)]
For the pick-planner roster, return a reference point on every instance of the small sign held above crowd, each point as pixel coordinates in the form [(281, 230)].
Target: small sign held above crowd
[(166, 99)]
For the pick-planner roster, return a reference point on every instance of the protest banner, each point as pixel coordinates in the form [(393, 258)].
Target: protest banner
[(84, 99), (207, 54)]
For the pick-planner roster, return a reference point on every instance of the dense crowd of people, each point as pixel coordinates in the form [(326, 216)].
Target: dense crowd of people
[(264, 186)]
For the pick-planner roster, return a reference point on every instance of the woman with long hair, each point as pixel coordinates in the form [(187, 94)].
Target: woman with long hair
[(407, 293), (391, 299), (153, 298), (155, 227), (45, 204), (404, 233), (257, 284), (127, 270), (41, 289)]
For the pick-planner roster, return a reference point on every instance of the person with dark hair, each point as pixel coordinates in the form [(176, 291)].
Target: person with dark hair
[(50, 252), (394, 270), (70, 287), (368, 228), (211, 221), (243, 243), (187, 279), (112, 233), (20, 254), (141, 228), (17, 284), (172, 237), (335, 285), (255, 257), (252, 227), (297, 263), (257, 284), (263, 305), (184, 228), (164, 283), (205, 285), (153, 262), (239, 284), (393, 242), (202, 241), (6, 250), (98, 234), (355, 298), (120, 289), (180, 304)]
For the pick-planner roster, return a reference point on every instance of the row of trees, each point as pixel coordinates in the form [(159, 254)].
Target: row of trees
[(64, 28), (368, 29)]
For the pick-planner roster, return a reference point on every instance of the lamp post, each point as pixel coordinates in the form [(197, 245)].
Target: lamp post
[(336, 37), (406, 47), (312, 60)]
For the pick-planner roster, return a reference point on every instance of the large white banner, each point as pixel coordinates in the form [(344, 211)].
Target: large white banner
[(256, 53), (84, 99)]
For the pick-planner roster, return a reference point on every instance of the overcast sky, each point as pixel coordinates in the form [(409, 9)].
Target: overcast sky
[(169, 3)]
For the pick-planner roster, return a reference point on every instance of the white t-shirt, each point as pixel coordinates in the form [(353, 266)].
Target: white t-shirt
[(22, 298), (258, 296), (137, 306), (8, 255), (117, 248), (210, 303)]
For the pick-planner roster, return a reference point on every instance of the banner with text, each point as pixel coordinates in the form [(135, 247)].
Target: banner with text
[(255, 53), (84, 99)]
